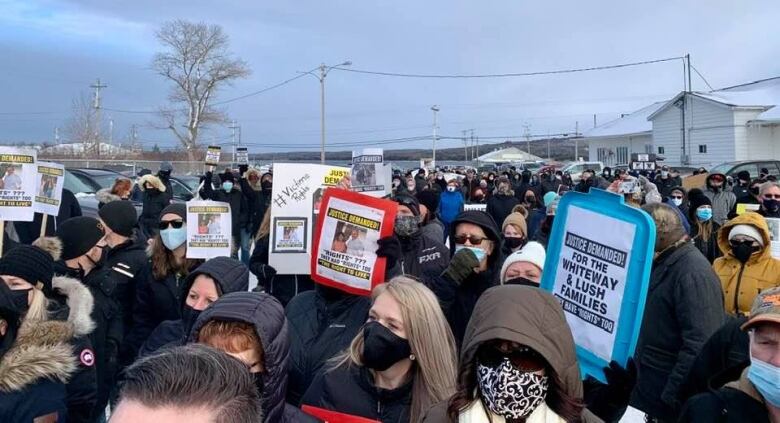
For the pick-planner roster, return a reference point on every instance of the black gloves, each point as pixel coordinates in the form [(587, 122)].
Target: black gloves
[(622, 380), (389, 248), (461, 266), (609, 401)]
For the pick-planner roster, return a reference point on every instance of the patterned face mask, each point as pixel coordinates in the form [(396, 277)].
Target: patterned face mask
[(406, 225), (509, 392)]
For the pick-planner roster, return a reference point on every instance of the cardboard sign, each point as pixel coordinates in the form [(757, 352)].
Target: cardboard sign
[(345, 240), (242, 156), (695, 181), (368, 172), (49, 181), (17, 186), (600, 277), (774, 235), (428, 164), (209, 229), (297, 192), (212, 155), (329, 416)]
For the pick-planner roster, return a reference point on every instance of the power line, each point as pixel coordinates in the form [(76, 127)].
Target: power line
[(509, 75), (702, 78)]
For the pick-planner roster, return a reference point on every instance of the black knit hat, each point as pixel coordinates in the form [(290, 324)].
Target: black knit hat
[(479, 218), (179, 209), (10, 314), (429, 199), (119, 216), (744, 175), (408, 201), (32, 264), (79, 235), (696, 199)]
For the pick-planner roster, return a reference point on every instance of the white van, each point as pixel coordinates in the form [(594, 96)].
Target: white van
[(575, 169)]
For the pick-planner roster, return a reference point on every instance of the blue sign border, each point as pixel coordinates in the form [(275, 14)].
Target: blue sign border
[(638, 275)]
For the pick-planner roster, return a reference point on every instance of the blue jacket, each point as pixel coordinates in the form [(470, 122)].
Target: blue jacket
[(450, 205)]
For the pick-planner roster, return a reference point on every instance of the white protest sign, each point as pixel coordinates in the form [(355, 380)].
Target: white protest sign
[(209, 229), (480, 207), (297, 192), (17, 187), (368, 173), (213, 154), (49, 180), (242, 155), (774, 236)]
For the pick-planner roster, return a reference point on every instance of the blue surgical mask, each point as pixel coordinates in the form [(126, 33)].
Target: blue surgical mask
[(704, 214), (677, 201), (173, 238), (766, 378), (480, 253), (451, 188), (227, 186)]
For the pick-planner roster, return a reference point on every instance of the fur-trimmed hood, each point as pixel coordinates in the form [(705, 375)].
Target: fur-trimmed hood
[(154, 180), (105, 196), (50, 244), (42, 350), (255, 185), (79, 301)]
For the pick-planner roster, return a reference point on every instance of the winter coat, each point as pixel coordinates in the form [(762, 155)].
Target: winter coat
[(239, 212), (450, 205), (550, 185), (535, 218), (421, 257), (741, 283), (736, 402), (468, 187), (153, 204), (740, 191), (593, 182), (166, 180), (267, 316), (229, 276), (322, 324), (30, 231), (708, 247), (257, 199), (34, 371), (527, 316), (282, 287), (665, 186), (684, 308), (350, 389), (500, 205), (434, 229), (722, 201), (105, 196), (683, 208)]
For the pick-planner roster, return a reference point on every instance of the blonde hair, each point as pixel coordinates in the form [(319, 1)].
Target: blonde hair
[(433, 346), (265, 225), (38, 310)]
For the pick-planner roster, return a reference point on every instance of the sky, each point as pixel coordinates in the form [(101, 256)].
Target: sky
[(52, 50)]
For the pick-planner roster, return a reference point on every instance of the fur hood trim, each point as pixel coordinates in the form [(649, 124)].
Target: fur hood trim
[(80, 303), (255, 185), (155, 181), (42, 350), (105, 196), (51, 245)]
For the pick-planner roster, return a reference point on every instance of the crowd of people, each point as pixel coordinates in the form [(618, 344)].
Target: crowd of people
[(106, 319)]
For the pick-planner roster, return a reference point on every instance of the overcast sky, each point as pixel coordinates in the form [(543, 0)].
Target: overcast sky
[(51, 51)]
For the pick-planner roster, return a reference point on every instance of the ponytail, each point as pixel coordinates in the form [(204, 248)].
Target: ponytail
[(38, 310)]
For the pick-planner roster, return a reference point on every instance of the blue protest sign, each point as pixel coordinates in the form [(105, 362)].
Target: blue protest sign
[(598, 265)]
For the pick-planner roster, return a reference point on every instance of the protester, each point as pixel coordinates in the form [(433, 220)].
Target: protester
[(420, 181), (754, 395), (503, 200), (251, 327), (158, 296), (397, 180), (256, 188), (164, 173), (524, 185), (542, 234), (203, 286), (120, 190), (450, 205), (514, 232), (412, 185), (747, 266), (769, 196), (470, 183), (475, 265), (239, 210), (41, 297), (182, 384), (524, 266), (722, 200), (36, 361), (684, 307), (551, 181), (589, 180), (402, 363), (282, 287), (665, 182), (678, 197), (432, 226), (742, 186), (704, 232), (154, 201), (606, 174), (518, 363)]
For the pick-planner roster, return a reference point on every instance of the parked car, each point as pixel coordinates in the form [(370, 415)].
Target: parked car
[(183, 189), (97, 178), (84, 183), (752, 166), (575, 169)]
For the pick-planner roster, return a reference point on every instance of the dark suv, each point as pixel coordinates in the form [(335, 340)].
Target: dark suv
[(752, 166)]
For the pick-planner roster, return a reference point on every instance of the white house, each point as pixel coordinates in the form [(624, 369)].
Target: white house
[(613, 142)]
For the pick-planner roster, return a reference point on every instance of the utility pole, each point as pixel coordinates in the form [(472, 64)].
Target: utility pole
[(234, 126), (57, 135), (527, 132), (594, 120), (465, 147), (96, 104), (110, 131), (435, 110), (134, 136), (324, 69), (576, 141), (473, 146), (548, 145)]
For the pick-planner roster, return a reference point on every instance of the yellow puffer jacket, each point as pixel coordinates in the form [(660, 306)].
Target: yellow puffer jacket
[(740, 286)]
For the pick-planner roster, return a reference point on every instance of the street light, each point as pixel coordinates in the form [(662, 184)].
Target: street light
[(324, 70), (435, 109)]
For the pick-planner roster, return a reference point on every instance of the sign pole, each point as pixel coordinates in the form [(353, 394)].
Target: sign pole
[(43, 225), (2, 236)]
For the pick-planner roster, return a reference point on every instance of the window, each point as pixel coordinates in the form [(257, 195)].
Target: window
[(602, 154), (702, 148), (622, 155), (751, 168), (771, 167), (660, 150)]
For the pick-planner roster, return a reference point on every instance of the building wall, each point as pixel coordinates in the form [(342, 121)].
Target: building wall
[(631, 144), (755, 142)]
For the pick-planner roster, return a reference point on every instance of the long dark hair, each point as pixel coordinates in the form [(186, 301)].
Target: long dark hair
[(558, 400), (164, 263)]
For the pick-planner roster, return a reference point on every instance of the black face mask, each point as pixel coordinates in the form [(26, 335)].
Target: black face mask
[(164, 175), (743, 250), (754, 191), (266, 185), (382, 348), (188, 317), (21, 299), (153, 191), (513, 243), (530, 200), (259, 383), (522, 281)]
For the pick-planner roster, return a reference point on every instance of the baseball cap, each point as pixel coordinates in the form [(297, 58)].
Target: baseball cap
[(766, 308)]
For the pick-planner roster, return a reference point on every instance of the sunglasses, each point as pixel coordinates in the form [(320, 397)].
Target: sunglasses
[(677, 197), (772, 196), (175, 224), (523, 358), (473, 239)]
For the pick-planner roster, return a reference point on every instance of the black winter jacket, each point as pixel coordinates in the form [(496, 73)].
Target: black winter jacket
[(239, 212), (684, 308), (350, 389), (322, 324), (499, 206), (153, 204), (708, 247), (421, 257), (282, 287), (726, 405), (257, 200), (267, 316)]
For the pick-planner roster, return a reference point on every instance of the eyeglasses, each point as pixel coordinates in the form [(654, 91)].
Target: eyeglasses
[(473, 239), (677, 197), (772, 196), (175, 224), (523, 358)]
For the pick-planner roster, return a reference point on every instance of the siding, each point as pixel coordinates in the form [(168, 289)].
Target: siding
[(635, 144), (755, 142)]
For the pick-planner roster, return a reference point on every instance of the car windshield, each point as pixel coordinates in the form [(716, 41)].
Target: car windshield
[(76, 185), (722, 168), (105, 181)]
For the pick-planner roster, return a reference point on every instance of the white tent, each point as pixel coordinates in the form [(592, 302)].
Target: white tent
[(510, 154)]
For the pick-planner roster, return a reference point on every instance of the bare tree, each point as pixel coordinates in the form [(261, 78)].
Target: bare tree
[(198, 62), (82, 126)]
